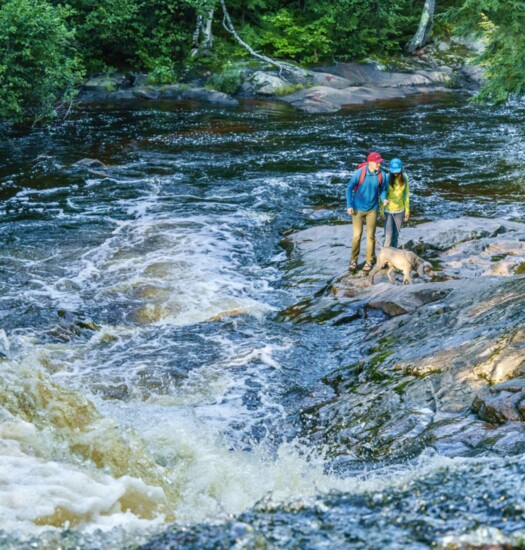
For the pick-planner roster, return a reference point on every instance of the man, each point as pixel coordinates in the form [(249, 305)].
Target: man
[(366, 187)]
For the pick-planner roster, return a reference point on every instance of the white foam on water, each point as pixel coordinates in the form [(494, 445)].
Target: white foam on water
[(33, 489), (176, 270), (206, 475), (215, 480), (37, 491)]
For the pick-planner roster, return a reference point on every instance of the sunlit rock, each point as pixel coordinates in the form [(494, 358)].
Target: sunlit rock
[(502, 403), (445, 343), (267, 84)]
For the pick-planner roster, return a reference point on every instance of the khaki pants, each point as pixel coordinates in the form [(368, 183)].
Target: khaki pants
[(357, 223)]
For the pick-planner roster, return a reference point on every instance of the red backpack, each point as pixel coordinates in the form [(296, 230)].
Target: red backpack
[(362, 177)]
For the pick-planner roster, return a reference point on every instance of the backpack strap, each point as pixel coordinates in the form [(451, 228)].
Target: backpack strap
[(362, 176)]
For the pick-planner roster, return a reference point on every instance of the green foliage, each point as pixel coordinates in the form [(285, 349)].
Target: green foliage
[(108, 31), (321, 30), (500, 23), (164, 36), (45, 43), (134, 34), (39, 67), (289, 89), (287, 34), (364, 27), (161, 71), (228, 81)]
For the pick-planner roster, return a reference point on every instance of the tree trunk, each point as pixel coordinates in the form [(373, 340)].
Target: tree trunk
[(425, 26), (283, 67), (203, 35)]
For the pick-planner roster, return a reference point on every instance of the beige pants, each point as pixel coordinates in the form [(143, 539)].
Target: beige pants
[(357, 223)]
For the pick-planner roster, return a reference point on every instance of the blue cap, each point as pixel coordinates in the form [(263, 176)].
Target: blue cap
[(395, 166)]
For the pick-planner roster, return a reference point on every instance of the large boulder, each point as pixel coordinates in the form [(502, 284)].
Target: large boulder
[(436, 360), (330, 80), (370, 75), (356, 83), (323, 99), (264, 83), (502, 403)]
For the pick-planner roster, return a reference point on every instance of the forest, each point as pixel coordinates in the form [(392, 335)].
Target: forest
[(47, 47)]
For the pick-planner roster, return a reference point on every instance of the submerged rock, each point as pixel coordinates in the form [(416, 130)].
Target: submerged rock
[(94, 167)]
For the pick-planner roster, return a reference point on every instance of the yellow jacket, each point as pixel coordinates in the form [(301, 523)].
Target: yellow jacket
[(399, 197)]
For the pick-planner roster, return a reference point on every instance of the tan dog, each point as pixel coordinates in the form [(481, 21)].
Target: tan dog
[(402, 260)]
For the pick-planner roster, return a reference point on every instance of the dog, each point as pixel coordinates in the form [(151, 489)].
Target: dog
[(402, 260)]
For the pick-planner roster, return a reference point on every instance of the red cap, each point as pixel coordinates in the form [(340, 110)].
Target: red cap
[(374, 157)]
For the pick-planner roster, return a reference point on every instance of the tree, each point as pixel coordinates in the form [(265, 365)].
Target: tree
[(39, 67), (425, 27), (500, 24), (203, 35)]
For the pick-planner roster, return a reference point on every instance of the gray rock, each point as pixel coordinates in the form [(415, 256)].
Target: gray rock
[(90, 163), (119, 95), (449, 349), (473, 75), (499, 408), (330, 80), (441, 75), (209, 96), (465, 246), (264, 83), (139, 79), (106, 83), (470, 42), (370, 75), (170, 91), (146, 93), (406, 299), (322, 99)]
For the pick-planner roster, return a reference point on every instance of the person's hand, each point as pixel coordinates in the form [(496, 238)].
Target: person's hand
[(383, 218), (350, 211), (385, 202), (406, 217)]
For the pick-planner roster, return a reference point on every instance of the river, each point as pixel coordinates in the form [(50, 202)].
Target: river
[(146, 374)]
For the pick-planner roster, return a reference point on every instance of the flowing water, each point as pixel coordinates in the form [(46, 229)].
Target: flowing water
[(146, 375)]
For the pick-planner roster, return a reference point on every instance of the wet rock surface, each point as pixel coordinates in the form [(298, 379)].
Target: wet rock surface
[(442, 372), (443, 509), (502, 402)]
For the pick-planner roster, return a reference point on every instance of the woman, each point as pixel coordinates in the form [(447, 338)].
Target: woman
[(397, 204)]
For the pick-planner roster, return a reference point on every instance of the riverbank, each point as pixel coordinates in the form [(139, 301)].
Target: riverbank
[(319, 90)]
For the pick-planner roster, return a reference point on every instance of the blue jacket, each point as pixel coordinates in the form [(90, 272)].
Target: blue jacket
[(367, 195)]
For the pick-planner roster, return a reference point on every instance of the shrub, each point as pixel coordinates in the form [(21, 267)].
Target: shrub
[(500, 25), (39, 66), (227, 81)]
